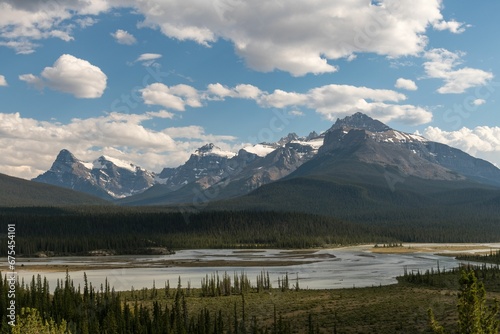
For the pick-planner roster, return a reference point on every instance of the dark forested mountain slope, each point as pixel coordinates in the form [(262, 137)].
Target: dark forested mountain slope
[(19, 192)]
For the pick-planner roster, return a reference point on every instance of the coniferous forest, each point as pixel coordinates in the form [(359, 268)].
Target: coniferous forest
[(77, 231), (230, 303)]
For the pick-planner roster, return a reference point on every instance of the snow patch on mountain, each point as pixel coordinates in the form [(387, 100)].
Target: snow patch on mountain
[(394, 136), (260, 150), (100, 163), (211, 149), (315, 143)]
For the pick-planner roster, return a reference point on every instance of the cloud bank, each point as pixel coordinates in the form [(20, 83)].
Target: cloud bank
[(300, 37), (28, 146), (330, 101)]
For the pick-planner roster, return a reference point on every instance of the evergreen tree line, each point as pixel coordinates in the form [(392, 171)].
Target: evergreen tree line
[(489, 275), (133, 232), (142, 230), (103, 310), (492, 257)]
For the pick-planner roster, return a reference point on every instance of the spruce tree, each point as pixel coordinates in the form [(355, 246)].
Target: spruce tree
[(474, 317)]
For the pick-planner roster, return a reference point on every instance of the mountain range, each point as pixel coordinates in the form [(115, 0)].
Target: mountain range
[(358, 160)]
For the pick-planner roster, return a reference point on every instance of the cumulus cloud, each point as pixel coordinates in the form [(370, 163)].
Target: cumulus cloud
[(452, 26), (174, 97), (442, 64), (481, 141), (3, 81), (71, 75), (298, 38), (478, 102), (330, 101), (218, 91), (407, 84), (333, 101), (23, 22), (123, 37), (28, 146), (301, 37)]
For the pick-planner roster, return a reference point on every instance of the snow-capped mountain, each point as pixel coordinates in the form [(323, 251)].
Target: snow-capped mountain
[(206, 166), (222, 174), (276, 160), (210, 169), (409, 154), (105, 177)]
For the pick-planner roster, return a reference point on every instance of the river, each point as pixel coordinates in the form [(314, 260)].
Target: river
[(347, 267)]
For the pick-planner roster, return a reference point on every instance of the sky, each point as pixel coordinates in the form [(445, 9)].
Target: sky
[(150, 81)]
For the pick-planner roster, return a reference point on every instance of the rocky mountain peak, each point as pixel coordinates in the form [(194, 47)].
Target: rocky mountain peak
[(206, 148), (66, 156), (312, 135), (360, 121), (288, 138), (212, 150)]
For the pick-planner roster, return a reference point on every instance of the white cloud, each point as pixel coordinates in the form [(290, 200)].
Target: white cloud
[(478, 102), (442, 64), (296, 113), (453, 26), (174, 97), (482, 141), (281, 99), (331, 101), (3, 81), (21, 47), (407, 84), (148, 59), (302, 36), (71, 75), (32, 80), (218, 91), (148, 56), (123, 37), (160, 114), (86, 22), (23, 22), (28, 146)]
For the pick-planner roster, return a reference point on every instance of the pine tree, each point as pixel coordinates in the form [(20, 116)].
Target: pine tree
[(473, 314), (474, 317)]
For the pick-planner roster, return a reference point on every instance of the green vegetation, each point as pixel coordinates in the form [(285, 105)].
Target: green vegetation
[(230, 304), (492, 257), (66, 231), (131, 231), (473, 314)]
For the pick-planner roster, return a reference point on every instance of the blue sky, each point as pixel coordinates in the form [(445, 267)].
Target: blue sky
[(150, 81)]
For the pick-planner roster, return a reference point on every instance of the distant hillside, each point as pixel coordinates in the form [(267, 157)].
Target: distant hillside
[(19, 192)]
